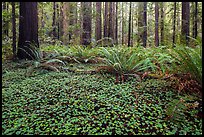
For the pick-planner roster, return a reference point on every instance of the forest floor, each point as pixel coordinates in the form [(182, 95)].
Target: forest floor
[(69, 103)]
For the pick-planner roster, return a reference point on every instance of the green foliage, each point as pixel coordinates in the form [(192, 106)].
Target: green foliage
[(123, 61), (68, 103), (189, 60), (51, 64), (34, 50)]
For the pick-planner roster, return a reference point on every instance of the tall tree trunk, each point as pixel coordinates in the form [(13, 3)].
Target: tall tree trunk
[(98, 31), (132, 25), (14, 29), (28, 30), (140, 22), (71, 19), (86, 35), (58, 19), (162, 23), (195, 20), (116, 25), (185, 23), (113, 21), (129, 26), (54, 32), (122, 25), (110, 29), (106, 20), (6, 23), (156, 24), (145, 25), (65, 23), (174, 25)]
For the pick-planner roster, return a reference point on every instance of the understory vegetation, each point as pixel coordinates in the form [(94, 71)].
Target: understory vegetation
[(106, 90)]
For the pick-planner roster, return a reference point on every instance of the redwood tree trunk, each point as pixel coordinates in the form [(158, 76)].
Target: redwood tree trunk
[(28, 30), (174, 25), (129, 26), (14, 29), (5, 23), (145, 25), (98, 31), (156, 24), (116, 25), (162, 23), (86, 35), (142, 23), (110, 28), (122, 25), (106, 20), (195, 20), (185, 23), (54, 21)]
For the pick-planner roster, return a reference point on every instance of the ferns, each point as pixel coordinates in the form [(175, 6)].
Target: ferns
[(34, 53), (123, 62), (189, 60)]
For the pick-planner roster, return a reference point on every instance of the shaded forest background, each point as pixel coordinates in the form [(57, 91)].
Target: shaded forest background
[(129, 23)]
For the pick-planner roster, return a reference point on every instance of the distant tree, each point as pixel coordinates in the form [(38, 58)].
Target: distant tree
[(113, 21), (28, 30), (86, 35), (185, 22), (174, 24), (110, 17), (14, 29), (116, 25), (106, 21), (162, 23), (65, 23), (98, 28), (71, 18), (195, 20), (5, 22), (132, 24), (142, 23), (144, 37), (54, 32), (129, 26), (123, 23), (58, 20), (156, 24)]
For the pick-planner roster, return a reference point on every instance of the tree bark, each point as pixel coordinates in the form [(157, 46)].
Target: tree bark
[(28, 30), (145, 25), (116, 25), (129, 26), (122, 25), (14, 29), (156, 24), (142, 23), (174, 25), (86, 35), (58, 19), (71, 19), (5, 22), (106, 20), (98, 31), (110, 28), (54, 32), (162, 23), (65, 23), (195, 20), (185, 23)]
